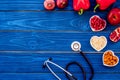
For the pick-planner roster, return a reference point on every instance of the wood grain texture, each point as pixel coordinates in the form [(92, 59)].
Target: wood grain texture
[(29, 35), (71, 21), (51, 41), (48, 76), (32, 62)]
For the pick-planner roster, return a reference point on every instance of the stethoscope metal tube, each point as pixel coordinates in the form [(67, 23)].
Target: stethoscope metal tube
[(50, 62)]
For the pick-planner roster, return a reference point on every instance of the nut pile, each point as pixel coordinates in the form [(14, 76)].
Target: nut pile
[(110, 59)]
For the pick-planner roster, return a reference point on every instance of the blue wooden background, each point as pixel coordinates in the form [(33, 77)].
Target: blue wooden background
[(29, 35)]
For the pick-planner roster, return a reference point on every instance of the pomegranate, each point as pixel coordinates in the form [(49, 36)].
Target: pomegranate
[(97, 23), (49, 4), (115, 35), (62, 3)]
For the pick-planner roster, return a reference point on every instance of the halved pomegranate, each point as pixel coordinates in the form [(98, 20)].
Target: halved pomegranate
[(49, 4), (115, 35), (97, 23)]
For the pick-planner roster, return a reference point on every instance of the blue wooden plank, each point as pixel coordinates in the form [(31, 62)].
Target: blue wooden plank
[(51, 41), (71, 21), (32, 62), (38, 5), (20, 6), (47, 76), (21, 1)]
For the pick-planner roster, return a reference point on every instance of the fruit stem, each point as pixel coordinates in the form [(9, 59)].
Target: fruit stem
[(96, 7), (81, 12), (49, 4)]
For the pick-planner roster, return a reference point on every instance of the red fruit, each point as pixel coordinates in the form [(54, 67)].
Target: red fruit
[(62, 3), (97, 24), (115, 35), (114, 16), (49, 4)]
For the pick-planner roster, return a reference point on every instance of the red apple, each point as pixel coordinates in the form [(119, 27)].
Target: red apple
[(62, 3), (114, 16), (49, 4)]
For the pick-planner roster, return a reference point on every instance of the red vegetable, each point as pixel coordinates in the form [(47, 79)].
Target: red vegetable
[(81, 5), (114, 16), (103, 4), (62, 3), (49, 4)]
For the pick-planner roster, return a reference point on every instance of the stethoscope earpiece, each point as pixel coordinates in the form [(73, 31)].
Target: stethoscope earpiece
[(50, 58), (44, 65)]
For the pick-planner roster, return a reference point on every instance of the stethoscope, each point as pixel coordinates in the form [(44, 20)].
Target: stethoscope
[(76, 46)]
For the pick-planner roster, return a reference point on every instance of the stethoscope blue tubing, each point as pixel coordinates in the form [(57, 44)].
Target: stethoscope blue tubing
[(80, 66)]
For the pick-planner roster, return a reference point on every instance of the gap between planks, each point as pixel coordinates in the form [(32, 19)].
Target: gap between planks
[(50, 52), (55, 31), (57, 73), (46, 11)]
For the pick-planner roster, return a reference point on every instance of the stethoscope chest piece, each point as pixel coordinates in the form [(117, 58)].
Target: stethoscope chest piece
[(76, 46)]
